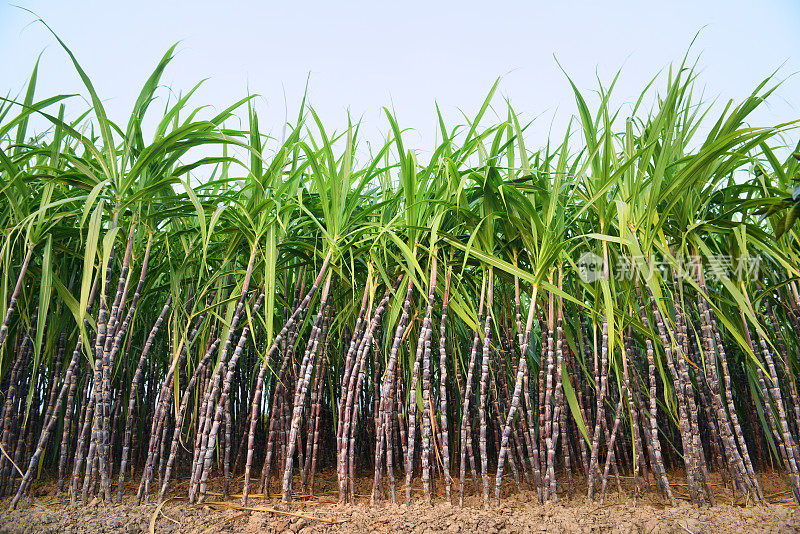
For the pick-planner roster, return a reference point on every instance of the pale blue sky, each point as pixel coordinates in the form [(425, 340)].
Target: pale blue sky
[(365, 55)]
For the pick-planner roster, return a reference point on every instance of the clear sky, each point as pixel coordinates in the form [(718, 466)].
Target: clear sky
[(408, 55)]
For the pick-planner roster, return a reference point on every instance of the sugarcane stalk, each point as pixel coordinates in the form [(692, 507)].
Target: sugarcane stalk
[(346, 455), (209, 400), (443, 387), (548, 398), (226, 387), (48, 428), (593, 461), (412, 414), (683, 417), (487, 338), (698, 456), (300, 394), (466, 432), (163, 403), (317, 419), (179, 418), (111, 343), (784, 354), (734, 418), (62, 462), (522, 368), (316, 392), (133, 395), (427, 409), (735, 462), (14, 296), (660, 470), (10, 401), (782, 430), (288, 332), (352, 349), (388, 395), (101, 378), (611, 441), (558, 394), (350, 431), (637, 442)]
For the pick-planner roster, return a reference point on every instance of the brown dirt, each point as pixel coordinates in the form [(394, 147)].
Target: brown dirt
[(518, 512)]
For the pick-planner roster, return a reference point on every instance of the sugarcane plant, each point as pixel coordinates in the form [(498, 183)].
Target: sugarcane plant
[(198, 302)]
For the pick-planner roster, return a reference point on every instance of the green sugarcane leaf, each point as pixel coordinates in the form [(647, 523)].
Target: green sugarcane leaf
[(201, 213), (108, 247), (100, 112), (72, 304), (45, 289), (90, 200), (92, 239), (788, 223), (270, 267), (569, 393), (754, 387)]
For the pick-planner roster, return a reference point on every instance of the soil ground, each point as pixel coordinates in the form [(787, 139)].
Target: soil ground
[(49, 512)]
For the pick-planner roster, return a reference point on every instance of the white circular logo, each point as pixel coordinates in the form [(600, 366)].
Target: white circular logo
[(590, 267)]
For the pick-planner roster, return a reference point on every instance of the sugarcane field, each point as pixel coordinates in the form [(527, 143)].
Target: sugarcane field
[(216, 322)]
